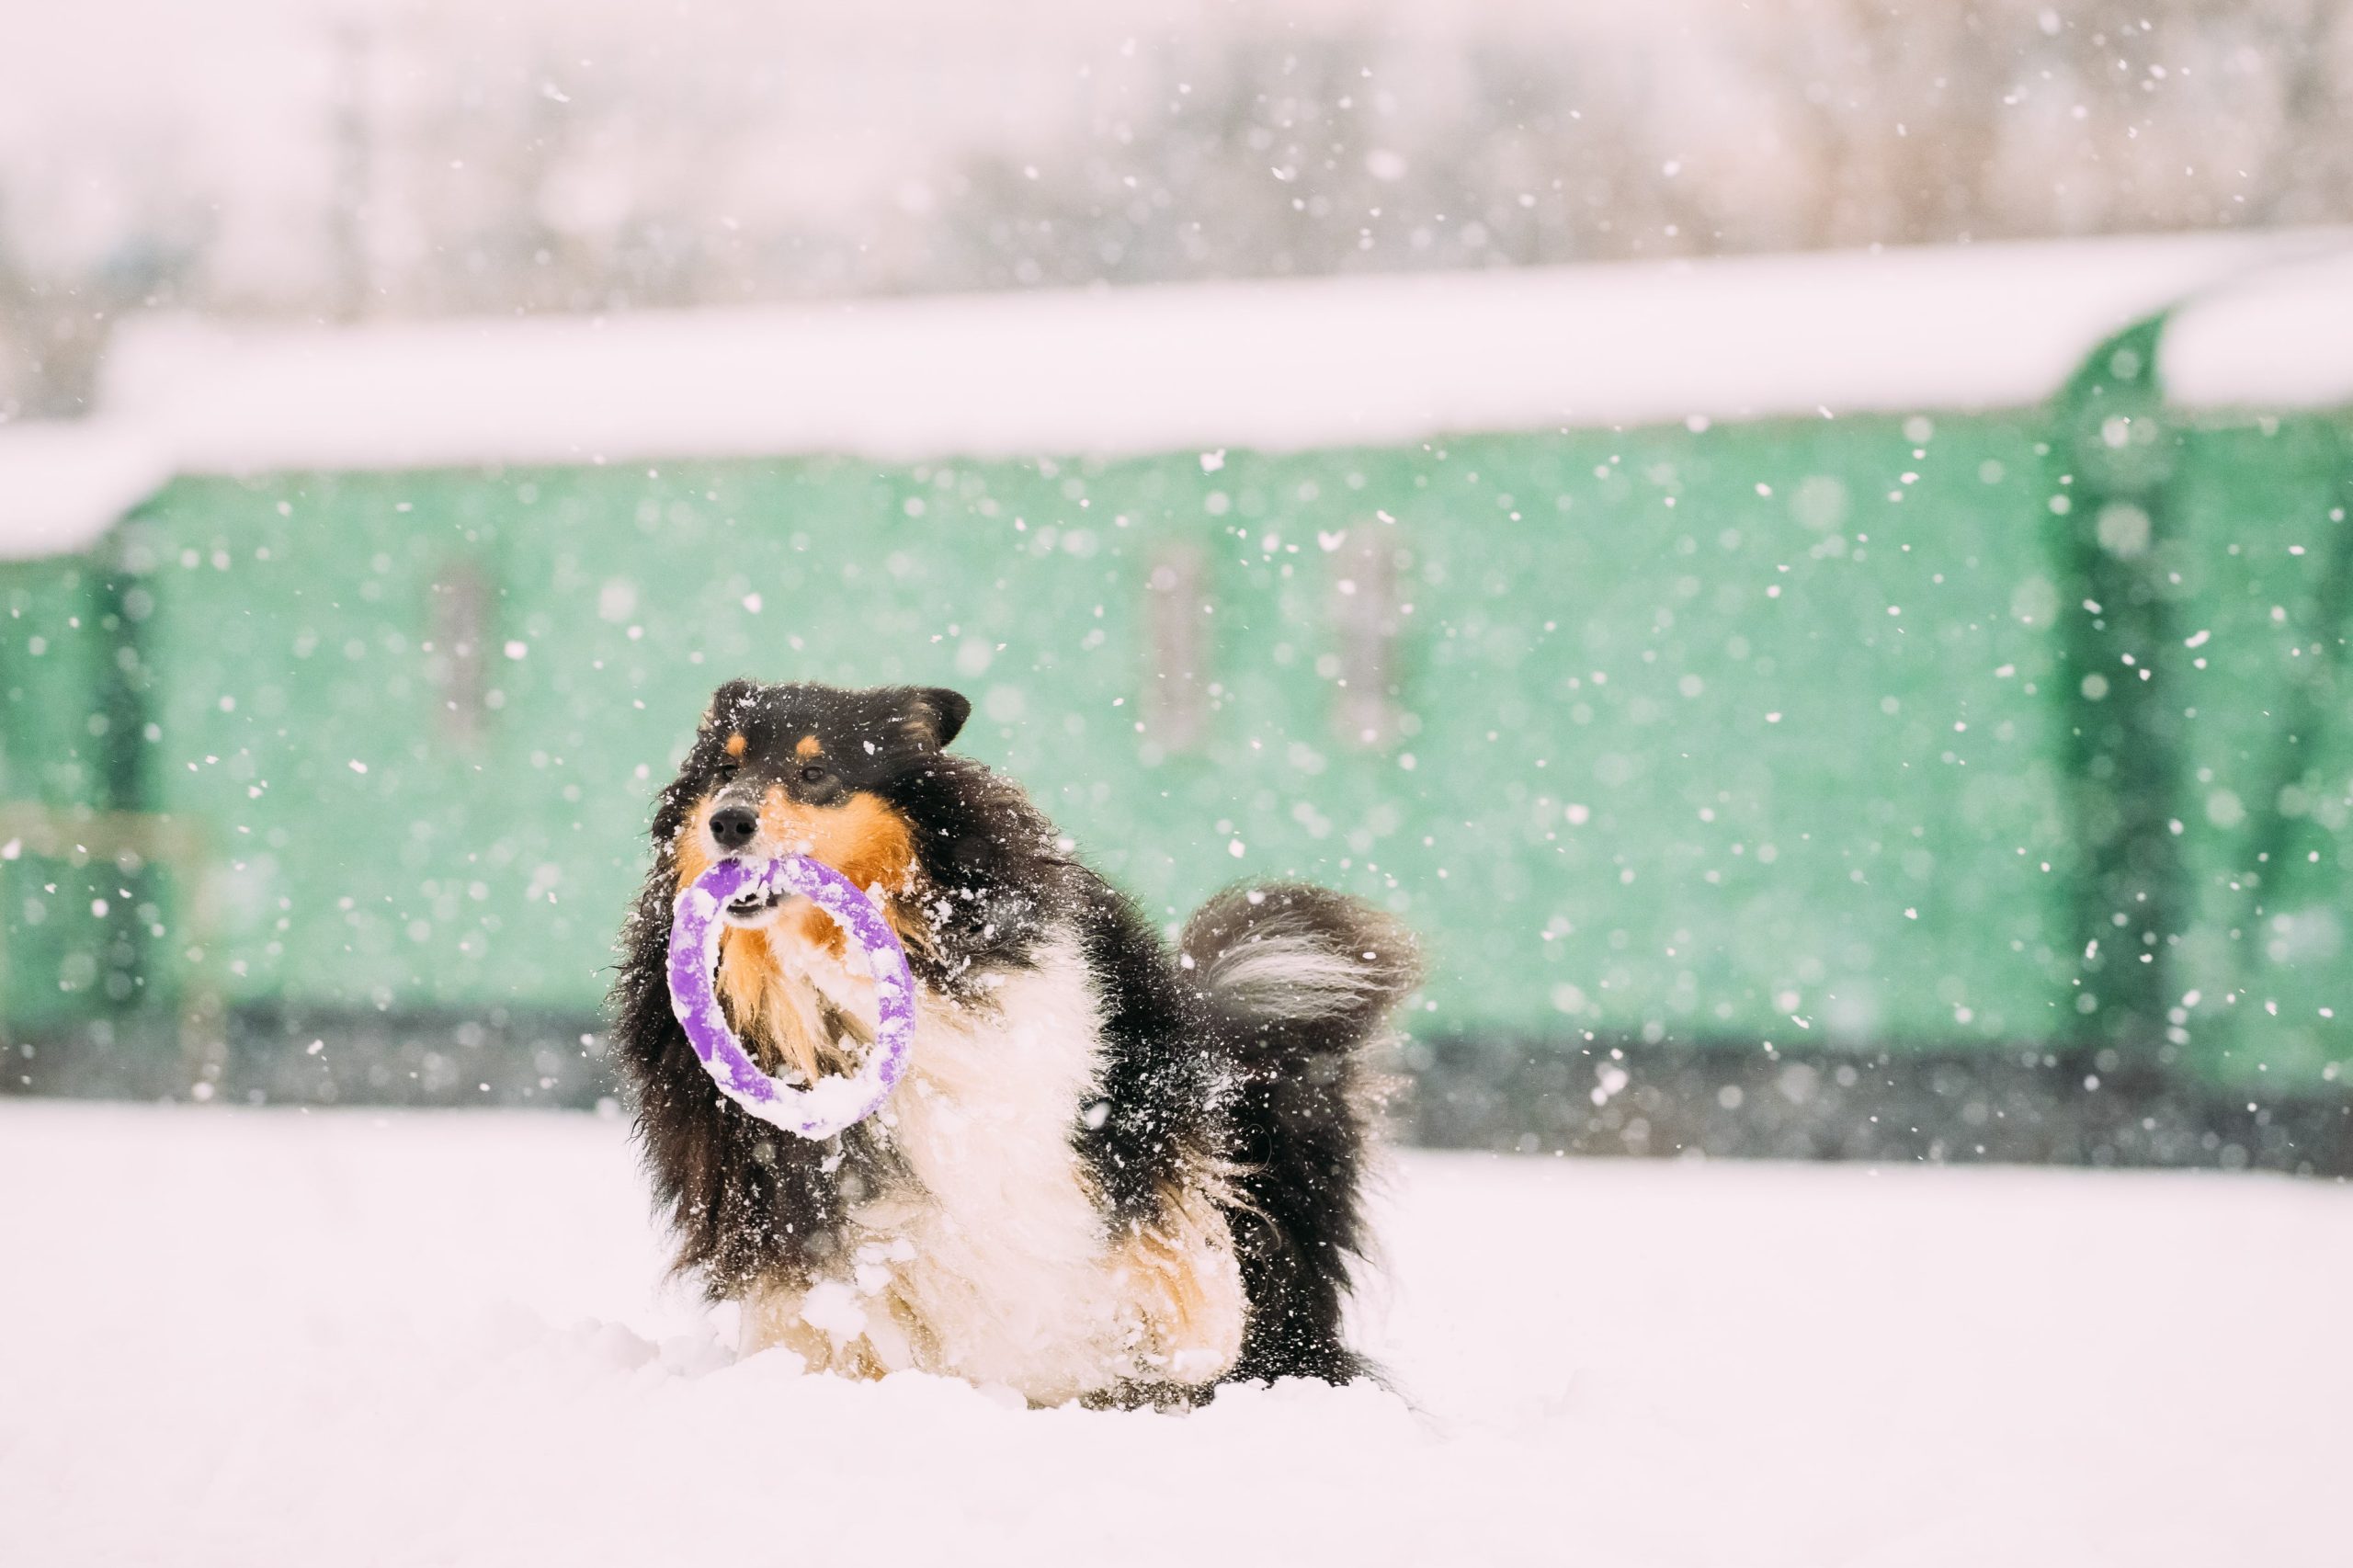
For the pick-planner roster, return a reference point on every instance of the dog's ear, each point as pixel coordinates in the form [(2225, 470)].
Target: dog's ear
[(934, 714), (728, 700)]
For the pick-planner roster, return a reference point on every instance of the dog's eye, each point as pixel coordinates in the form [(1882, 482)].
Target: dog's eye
[(726, 771), (812, 775)]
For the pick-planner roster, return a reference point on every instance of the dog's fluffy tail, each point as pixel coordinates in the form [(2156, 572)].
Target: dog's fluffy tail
[(1300, 981)]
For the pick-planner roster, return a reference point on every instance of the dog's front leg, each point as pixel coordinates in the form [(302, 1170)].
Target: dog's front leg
[(826, 1323)]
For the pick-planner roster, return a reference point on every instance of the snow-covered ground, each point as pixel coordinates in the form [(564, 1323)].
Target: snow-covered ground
[(261, 1337)]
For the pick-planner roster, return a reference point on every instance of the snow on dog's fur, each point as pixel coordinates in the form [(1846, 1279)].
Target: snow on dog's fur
[(1113, 1173)]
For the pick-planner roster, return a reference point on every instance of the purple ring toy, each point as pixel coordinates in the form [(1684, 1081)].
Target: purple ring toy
[(827, 1107)]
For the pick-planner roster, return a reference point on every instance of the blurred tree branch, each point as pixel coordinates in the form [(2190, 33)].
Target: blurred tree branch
[(509, 176)]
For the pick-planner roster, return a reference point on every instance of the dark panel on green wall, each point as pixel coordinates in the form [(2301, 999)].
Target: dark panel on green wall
[(69, 946), (2266, 578)]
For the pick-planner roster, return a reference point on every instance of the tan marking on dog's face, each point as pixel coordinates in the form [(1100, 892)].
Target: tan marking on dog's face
[(772, 1012), (736, 745), (865, 840), (690, 850), (862, 838), (808, 745)]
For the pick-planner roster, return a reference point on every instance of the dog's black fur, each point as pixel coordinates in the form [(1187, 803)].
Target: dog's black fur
[(1197, 1073)]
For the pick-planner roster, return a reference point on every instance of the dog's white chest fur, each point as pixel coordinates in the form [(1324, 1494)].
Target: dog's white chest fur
[(991, 1260)]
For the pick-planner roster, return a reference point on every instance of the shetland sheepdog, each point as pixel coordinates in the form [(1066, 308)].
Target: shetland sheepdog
[(1115, 1172)]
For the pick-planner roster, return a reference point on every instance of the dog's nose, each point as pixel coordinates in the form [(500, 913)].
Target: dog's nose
[(733, 827)]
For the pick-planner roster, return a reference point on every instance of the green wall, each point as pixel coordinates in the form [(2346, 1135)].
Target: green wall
[(1742, 731)]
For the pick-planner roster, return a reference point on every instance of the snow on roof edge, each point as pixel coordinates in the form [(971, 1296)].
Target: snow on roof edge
[(2277, 336), (1271, 365), (64, 483)]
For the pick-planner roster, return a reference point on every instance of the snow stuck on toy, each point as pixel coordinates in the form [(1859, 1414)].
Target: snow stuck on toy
[(824, 1109)]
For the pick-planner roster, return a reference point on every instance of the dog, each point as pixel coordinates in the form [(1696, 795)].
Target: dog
[(1114, 1173)]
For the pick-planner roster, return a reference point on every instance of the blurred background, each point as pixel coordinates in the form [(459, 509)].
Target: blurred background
[(1803, 544)]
